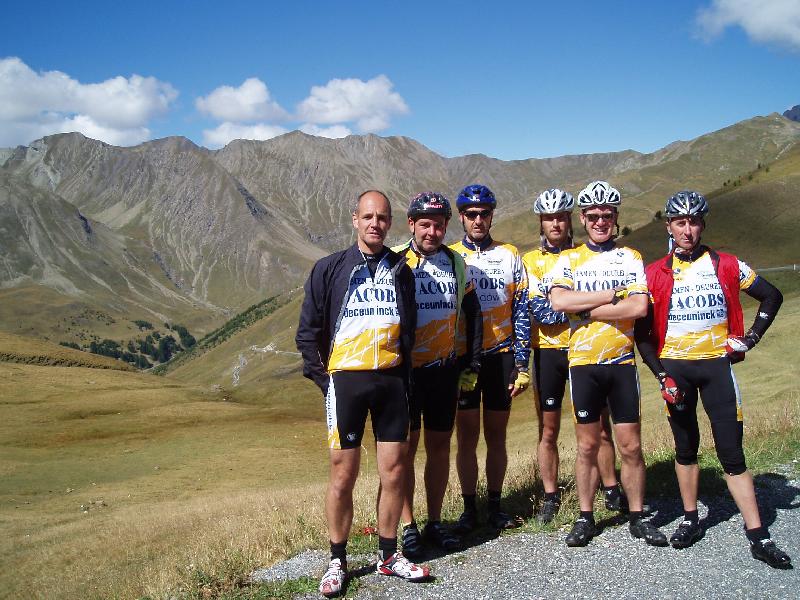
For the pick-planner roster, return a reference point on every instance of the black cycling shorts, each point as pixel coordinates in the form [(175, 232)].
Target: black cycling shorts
[(551, 372), (353, 394), (492, 386), (714, 380), (593, 387), (434, 398)]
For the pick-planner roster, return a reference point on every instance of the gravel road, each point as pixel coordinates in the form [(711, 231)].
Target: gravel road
[(540, 565)]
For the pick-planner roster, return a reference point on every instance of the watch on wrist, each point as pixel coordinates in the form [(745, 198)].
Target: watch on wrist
[(616, 298)]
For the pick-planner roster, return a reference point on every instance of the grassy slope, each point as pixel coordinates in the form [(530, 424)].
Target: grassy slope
[(19, 349), (188, 478)]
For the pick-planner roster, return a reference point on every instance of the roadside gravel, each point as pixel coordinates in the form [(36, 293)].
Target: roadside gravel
[(540, 565)]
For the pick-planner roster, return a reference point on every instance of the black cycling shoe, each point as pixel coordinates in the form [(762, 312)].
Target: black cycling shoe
[(615, 499), (466, 523), (686, 535), (767, 551), (499, 520), (439, 535), (642, 528), (548, 511), (412, 542), (582, 531)]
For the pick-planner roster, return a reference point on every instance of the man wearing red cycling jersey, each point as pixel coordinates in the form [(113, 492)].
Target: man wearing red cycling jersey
[(694, 332)]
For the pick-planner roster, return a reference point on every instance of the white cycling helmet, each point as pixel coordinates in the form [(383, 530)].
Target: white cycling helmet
[(598, 193), (686, 204), (553, 201)]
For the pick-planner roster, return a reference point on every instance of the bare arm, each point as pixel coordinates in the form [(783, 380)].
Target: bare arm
[(632, 307), (572, 301)]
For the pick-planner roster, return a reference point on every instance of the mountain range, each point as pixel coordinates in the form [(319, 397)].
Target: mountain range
[(93, 235)]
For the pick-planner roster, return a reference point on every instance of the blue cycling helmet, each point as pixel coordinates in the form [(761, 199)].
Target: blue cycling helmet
[(475, 194)]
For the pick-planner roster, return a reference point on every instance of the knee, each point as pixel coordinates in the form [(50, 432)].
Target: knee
[(549, 436), (587, 448), (732, 460), (630, 450)]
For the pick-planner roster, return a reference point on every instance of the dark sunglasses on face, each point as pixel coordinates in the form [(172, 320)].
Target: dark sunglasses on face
[(474, 214), (593, 217)]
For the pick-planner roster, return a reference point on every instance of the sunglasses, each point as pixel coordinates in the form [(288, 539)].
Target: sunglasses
[(593, 217), (474, 214)]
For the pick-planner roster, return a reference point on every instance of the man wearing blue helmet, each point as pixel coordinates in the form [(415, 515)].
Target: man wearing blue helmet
[(499, 277), (693, 333)]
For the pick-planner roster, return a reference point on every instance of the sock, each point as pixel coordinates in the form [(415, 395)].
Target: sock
[(340, 551), (588, 515), (412, 524), (386, 547), (494, 501), (610, 490), (756, 534), (691, 516), (469, 503), (635, 515), (551, 496)]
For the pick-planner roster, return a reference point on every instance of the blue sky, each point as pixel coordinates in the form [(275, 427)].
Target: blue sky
[(507, 79)]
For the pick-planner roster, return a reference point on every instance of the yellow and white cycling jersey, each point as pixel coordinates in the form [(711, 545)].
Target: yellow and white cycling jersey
[(591, 269), (697, 324), (437, 297), (499, 277), (541, 268), (368, 335)]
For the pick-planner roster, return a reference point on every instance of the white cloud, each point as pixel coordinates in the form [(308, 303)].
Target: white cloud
[(116, 110), (226, 132), (334, 131), (764, 21), (249, 102), (370, 104)]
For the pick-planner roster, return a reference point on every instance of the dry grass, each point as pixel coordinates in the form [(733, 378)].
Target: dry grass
[(184, 490)]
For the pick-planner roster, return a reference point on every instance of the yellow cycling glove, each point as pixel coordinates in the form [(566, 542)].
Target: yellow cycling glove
[(522, 381), (467, 380)]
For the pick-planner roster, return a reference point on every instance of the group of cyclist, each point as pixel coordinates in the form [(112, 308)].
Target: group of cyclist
[(423, 334)]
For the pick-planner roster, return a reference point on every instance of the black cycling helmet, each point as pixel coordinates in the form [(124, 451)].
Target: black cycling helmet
[(429, 203), (686, 203), (475, 194)]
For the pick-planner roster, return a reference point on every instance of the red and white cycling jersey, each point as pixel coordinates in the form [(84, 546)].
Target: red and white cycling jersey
[(368, 331), (697, 324)]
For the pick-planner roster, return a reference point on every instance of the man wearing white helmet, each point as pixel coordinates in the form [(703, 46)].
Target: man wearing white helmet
[(603, 287), (550, 343), (693, 334)]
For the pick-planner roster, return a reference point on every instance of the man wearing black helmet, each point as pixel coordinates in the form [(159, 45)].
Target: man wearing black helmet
[(498, 274), (445, 297), (694, 332), (355, 334)]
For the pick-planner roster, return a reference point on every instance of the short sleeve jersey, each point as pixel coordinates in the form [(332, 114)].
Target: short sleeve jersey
[(697, 324), (540, 266), (437, 296), (586, 269), (368, 327), (501, 283)]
